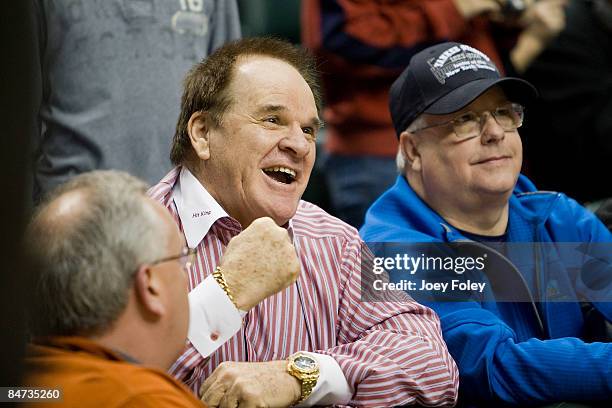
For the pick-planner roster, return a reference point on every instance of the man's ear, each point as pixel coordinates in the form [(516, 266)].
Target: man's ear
[(198, 129), (410, 150), (148, 289)]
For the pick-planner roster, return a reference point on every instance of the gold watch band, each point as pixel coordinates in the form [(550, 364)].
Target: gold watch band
[(306, 370), (218, 276), (308, 383)]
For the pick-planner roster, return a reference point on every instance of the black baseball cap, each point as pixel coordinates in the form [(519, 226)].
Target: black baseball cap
[(445, 78)]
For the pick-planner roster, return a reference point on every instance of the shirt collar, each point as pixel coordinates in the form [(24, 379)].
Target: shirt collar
[(81, 344), (196, 208)]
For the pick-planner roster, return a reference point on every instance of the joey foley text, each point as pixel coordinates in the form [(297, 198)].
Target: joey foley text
[(406, 266)]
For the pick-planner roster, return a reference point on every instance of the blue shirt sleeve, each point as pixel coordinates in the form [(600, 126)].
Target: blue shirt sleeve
[(494, 366)]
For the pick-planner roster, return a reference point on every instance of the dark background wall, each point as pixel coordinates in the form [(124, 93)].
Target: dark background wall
[(18, 98), (278, 17)]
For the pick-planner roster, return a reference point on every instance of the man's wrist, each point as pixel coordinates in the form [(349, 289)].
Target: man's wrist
[(305, 368), (296, 386), (220, 279), (242, 296)]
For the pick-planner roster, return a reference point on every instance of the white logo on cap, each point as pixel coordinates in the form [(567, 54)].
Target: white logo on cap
[(457, 59)]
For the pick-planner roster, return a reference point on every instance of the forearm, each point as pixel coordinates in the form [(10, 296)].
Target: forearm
[(388, 368), (552, 370), (527, 48), (391, 351), (495, 366)]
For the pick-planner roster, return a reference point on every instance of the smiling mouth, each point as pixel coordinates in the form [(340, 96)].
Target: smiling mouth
[(492, 159), (283, 175)]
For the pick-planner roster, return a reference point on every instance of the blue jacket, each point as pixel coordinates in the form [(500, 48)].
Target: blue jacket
[(503, 356)]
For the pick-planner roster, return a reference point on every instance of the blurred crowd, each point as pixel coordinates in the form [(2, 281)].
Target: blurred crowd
[(109, 79)]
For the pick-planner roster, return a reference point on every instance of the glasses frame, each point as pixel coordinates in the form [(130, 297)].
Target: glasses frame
[(186, 252), (480, 115)]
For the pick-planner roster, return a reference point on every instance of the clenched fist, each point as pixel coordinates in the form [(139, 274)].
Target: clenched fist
[(259, 262)]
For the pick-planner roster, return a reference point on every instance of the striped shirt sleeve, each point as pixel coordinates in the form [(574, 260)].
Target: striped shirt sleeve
[(392, 351)]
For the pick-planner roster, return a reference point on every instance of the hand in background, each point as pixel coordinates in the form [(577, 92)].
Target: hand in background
[(544, 19), (473, 8), (542, 22)]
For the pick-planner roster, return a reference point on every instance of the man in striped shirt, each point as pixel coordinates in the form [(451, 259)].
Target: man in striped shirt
[(244, 149)]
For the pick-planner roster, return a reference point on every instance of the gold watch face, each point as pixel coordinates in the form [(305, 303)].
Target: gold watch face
[(304, 363)]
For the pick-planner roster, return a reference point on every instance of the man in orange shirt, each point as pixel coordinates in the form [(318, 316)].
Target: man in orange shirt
[(110, 311)]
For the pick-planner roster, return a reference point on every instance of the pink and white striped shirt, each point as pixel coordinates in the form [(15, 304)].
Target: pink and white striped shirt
[(391, 353)]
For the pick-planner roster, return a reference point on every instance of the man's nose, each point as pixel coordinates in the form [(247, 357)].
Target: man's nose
[(296, 141), (490, 130)]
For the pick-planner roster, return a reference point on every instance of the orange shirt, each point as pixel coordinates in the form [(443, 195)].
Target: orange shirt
[(93, 376)]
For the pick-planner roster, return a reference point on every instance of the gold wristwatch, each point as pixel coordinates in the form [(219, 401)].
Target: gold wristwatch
[(306, 370)]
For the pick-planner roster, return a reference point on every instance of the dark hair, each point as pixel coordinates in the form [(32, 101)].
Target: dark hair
[(204, 87)]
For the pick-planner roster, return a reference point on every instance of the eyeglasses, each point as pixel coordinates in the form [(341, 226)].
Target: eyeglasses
[(469, 125), (186, 258)]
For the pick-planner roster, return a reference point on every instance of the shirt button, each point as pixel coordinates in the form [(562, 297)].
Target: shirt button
[(214, 336)]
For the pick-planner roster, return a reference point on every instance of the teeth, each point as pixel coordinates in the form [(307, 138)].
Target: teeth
[(283, 170)]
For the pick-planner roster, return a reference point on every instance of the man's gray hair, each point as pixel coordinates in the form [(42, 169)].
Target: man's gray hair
[(400, 160), (86, 262)]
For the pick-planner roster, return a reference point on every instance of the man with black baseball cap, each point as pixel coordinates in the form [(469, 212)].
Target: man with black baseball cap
[(459, 159), (445, 78)]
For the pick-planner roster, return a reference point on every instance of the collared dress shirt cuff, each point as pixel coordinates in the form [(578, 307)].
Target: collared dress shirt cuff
[(213, 318), (332, 387)]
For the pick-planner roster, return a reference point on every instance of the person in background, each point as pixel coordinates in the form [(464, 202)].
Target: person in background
[(568, 142), (109, 74), (362, 48), (244, 149), (459, 159)]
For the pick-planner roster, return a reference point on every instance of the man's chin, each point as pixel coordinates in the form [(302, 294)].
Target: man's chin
[(279, 204), (499, 190), (283, 219), (282, 215)]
